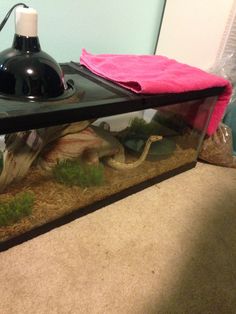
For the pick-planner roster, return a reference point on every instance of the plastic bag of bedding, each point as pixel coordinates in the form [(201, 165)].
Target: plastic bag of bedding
[(218, 148)]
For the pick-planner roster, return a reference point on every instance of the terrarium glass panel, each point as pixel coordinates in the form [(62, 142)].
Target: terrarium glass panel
[(51, 172)]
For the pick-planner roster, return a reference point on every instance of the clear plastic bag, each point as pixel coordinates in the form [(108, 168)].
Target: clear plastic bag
[(218, 148), (226, 67)]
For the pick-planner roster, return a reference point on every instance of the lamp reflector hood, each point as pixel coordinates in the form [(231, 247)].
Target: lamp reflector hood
[(27, 72)]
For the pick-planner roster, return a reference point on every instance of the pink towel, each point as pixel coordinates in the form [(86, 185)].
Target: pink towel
[(149, 74)]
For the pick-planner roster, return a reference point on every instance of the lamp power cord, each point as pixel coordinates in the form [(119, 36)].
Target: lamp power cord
[(9, 13)]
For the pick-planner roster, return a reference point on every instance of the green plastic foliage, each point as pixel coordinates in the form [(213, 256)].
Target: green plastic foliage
[(75, 172), (20, 206)]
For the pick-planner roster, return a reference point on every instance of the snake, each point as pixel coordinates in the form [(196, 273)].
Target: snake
[(118, 165)]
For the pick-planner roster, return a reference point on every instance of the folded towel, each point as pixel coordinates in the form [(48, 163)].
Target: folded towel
[(153, 74)]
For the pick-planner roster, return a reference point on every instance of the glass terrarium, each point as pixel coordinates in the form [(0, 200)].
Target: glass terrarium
[(63, 159)]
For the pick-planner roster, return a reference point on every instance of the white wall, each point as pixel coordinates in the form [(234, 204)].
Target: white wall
[(102, 26), (192, 31)]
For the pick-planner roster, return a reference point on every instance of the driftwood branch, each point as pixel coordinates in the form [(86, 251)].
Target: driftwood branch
[(22, 148)]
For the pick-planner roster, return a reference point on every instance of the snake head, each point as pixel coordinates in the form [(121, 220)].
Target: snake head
[(155, 138)]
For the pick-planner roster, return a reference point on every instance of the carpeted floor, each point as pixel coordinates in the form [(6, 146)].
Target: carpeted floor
[(168, 249)]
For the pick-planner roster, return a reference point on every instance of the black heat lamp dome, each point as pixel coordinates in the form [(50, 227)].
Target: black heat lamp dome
[(27, 72)]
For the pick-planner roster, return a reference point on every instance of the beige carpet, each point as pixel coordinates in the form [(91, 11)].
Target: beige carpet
[(168, 249)]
